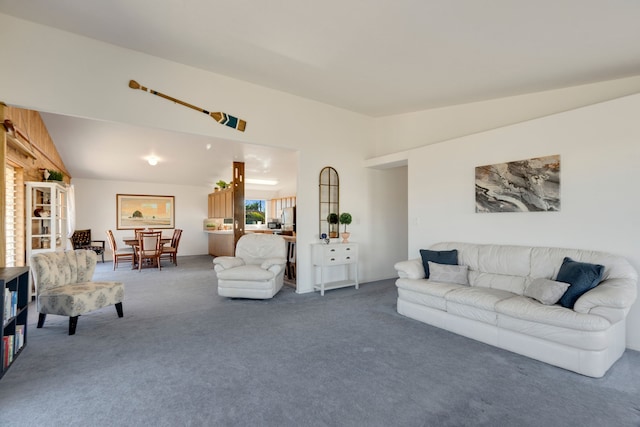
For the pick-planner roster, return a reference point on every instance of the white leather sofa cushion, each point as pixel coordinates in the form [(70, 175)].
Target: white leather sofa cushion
[(578, 339), (513, 284), (428, 287), (422, 299), (504, 260), (529, 309), (237, 288), (493, 266), (476, 303), (473, 313), (245, 272), (546, 262), (483, 298)]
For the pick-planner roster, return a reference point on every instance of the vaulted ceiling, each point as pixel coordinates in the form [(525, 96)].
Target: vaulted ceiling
[(375, 57)]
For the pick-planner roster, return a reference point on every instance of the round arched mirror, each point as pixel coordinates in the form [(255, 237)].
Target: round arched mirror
[(329, 184)]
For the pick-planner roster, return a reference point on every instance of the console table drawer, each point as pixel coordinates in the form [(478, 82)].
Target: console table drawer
[(336, 255)]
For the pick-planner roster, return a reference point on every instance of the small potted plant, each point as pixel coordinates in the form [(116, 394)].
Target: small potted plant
[(222, 184), (52, 175), (332, 219), (345, 218)]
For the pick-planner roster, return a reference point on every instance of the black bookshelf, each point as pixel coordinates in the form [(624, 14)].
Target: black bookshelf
[(14, 288)]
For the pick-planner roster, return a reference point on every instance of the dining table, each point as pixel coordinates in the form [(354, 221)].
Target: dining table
[(133, 242)]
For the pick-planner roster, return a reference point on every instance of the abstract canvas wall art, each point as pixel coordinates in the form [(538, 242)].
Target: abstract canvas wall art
[(531, 185)]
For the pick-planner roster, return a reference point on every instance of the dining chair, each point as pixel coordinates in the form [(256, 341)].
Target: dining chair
[(119, 254), (149, 248), (171, 251), (81, 239)]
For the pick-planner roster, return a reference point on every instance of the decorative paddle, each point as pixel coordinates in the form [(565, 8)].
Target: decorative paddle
[(222, 118)]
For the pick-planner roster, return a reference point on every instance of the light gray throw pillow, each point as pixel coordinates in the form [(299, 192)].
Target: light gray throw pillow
[(548, 292), (446, 273)]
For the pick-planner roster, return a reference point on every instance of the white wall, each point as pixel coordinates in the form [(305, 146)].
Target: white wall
[(96, 209), (599, 147), (388, 201), (59, 72), (405, 131)]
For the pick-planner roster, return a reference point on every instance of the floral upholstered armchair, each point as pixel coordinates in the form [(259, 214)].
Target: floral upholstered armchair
[(81, 239), (64, 287)]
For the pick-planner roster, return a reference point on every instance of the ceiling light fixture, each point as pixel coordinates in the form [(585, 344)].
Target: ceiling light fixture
[(152, 160), (261, 181)]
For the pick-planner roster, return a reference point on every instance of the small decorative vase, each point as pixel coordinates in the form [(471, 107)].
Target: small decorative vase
[(345, 237)]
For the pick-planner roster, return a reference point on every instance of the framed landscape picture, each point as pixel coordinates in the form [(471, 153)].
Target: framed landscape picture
[(142, 211)]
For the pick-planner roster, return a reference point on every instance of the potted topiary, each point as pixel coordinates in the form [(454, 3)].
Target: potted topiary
[(332, 219), (345, 218)]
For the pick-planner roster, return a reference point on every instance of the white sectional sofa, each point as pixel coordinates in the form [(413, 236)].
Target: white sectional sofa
[(493, 308)]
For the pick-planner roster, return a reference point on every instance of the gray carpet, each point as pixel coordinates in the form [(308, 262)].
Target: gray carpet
[(182, 355)]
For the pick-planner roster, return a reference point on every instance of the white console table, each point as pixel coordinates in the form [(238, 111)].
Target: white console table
[(335, 255)]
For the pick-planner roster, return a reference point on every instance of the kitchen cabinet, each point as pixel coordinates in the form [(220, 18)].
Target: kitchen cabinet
[(221, 243), (220, 204)]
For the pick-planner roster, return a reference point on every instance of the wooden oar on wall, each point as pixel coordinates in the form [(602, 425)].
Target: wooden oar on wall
[(222, 118)]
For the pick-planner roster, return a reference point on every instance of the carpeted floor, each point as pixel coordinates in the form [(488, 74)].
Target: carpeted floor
[(182, 355)]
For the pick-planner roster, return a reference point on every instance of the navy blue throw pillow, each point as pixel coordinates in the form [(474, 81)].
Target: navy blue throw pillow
[(581, 276), (439, 257)]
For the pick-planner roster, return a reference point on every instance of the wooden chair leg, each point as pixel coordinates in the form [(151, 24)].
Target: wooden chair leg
[(41, 318), (119, 309), (73, 321)]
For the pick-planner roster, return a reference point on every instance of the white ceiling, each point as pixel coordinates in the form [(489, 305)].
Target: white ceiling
[(376, 57)]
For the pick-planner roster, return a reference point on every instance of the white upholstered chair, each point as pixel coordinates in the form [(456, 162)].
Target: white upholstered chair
[(64, 287), (256, 271)]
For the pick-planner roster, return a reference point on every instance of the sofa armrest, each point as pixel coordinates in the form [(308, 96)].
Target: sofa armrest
[(269, 262), (226, 262), (611, 293), (411, 269), (276, 269)]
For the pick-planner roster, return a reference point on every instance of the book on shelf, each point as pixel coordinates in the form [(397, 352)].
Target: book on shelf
[(19, 339), (10, 305), (7, 349)]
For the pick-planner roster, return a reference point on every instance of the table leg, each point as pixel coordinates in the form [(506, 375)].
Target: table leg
[(133, 258)]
